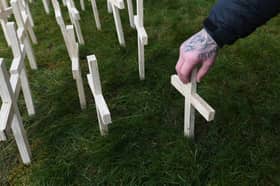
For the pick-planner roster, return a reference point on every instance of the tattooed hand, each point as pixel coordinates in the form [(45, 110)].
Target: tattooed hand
[(199, 49)]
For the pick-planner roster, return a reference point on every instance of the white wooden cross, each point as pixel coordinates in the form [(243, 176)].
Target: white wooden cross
[(10, 117), (60, 21), (25, 26), (114, 6), (142, 38), (75, 17), (4, 3), (46, 4), (18, 68), (96, 14), (130, 11), (103, 113), (24, 6), (5, 12), (73, 50), (192, 102), (82, 2)]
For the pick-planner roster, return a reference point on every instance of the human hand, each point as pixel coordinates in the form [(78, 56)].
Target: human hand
[(198, 49)]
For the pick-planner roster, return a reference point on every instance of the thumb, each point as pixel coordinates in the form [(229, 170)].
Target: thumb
[(206, 65)]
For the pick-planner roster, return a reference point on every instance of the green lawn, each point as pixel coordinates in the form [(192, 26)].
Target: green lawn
[(145, 145)]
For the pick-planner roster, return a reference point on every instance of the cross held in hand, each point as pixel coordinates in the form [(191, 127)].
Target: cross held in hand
[(192, 102)]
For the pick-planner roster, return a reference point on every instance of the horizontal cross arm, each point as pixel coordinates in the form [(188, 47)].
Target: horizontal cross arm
[(103, 109), (117, 3), (203, 107)]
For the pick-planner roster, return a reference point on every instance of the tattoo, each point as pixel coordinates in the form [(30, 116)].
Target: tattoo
[(203, 43)]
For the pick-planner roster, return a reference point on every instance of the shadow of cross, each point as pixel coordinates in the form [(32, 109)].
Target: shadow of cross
[(192, 102)]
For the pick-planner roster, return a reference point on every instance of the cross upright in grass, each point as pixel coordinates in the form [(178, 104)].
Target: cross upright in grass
[(73, 50), (114, 6), (142, 38), (75, 17), (25, 29), (5, 12), (192, 102), (10, 88), (96, 14), (103, 113), (10, 116)]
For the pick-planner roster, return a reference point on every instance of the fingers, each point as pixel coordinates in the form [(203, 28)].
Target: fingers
[(179, 64), (206, 65), (185, 71)]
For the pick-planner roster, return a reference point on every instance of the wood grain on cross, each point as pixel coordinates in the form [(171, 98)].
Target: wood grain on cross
[(103, 113), (192, 102)]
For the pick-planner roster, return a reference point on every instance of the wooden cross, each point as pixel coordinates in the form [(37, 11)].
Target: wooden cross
[(130, 11), (82, 4), (24, 25), (5, 12), (73, 50), (4, 3), (96, 14), (46, 4), (24, 6), (75, 17), (60, 21), (10, 117), (103, 113), (114, 6), (18, 67), (192, 102), (142, 38)]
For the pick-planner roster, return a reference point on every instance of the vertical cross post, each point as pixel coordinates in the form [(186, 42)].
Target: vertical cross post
[(75, 17), (5, 12), (115, 5), (130, 13), (192, 102), (142, 38), (73, 50), (60, 21), (18, 67), (103, 113), (46, 4), (10, 116), (24, 26), (96, 14), (24, 6), (82, 2)]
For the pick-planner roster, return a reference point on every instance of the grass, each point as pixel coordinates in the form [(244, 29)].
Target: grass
[(146, 145)]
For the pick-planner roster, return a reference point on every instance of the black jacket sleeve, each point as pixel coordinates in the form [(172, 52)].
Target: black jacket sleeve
[(230, 20)]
